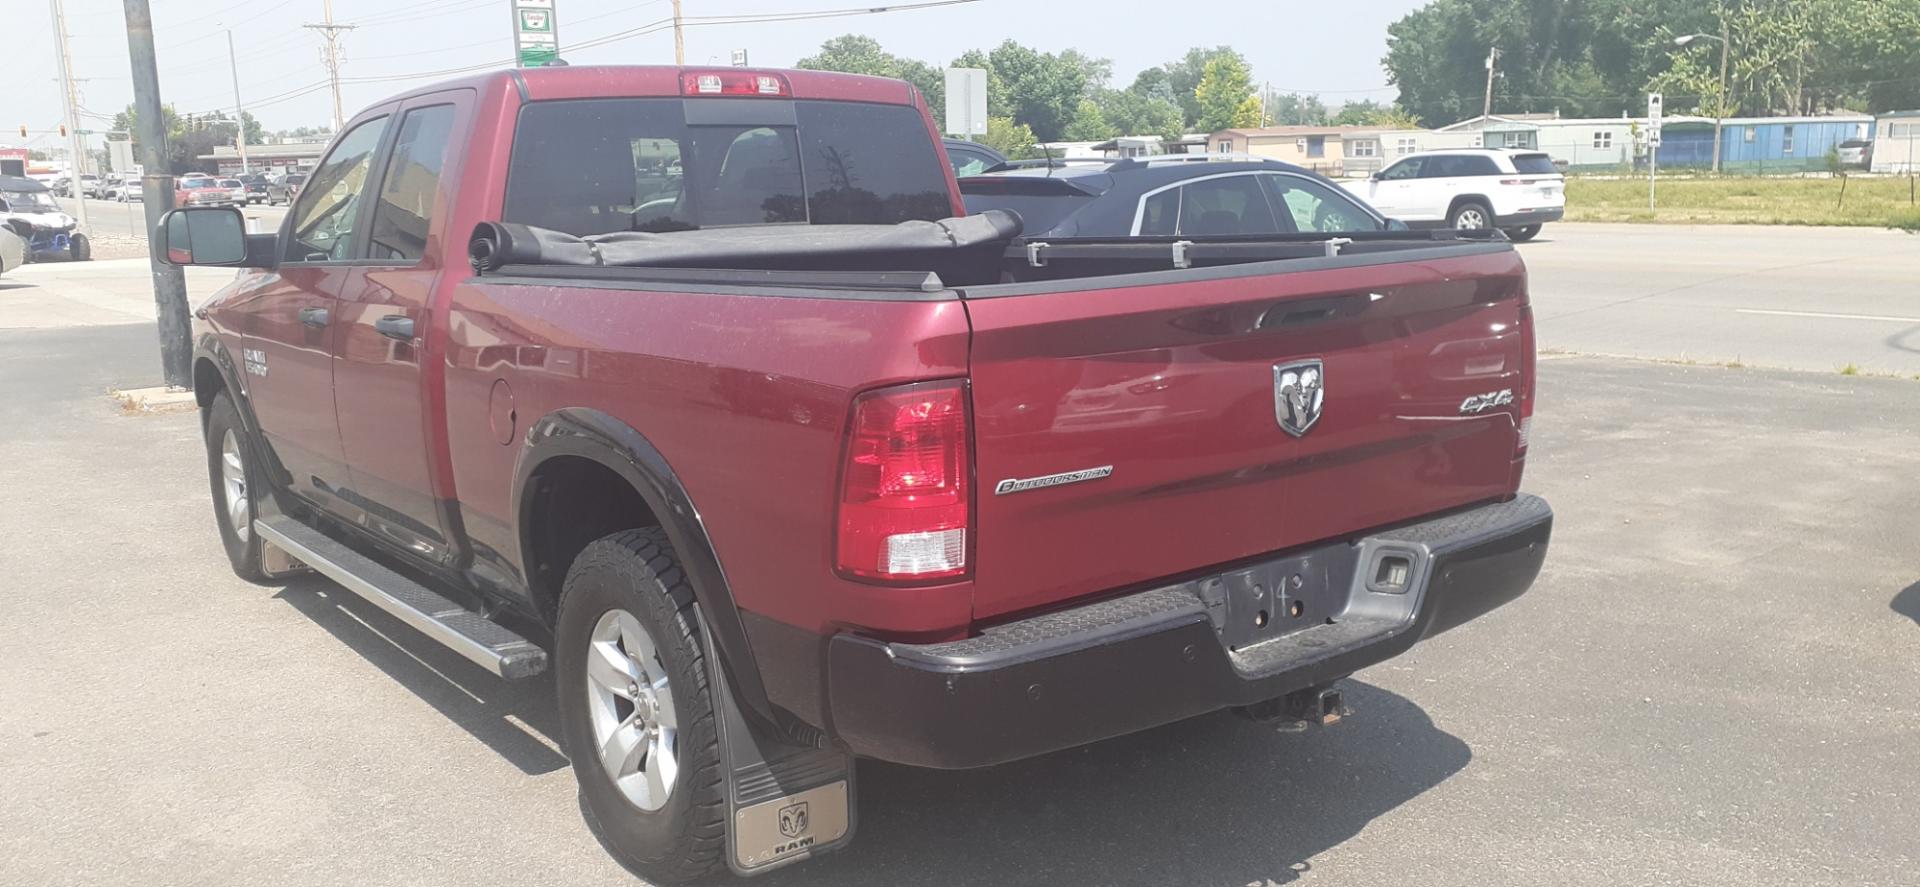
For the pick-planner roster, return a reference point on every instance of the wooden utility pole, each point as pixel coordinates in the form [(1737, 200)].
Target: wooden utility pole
[(169, 283), (331, 58), (679, 37), (240, 111), (1486, 107), (1720, 109)]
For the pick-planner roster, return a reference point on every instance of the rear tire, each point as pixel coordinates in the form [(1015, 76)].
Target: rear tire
[(1470, 216), (79, 249), (235, 487), (1523, 234), (626, 601)]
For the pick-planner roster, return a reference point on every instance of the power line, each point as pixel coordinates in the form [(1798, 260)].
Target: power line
[(331, 33)]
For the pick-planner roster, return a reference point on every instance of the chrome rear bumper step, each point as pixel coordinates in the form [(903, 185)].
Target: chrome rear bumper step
[(470, 634)]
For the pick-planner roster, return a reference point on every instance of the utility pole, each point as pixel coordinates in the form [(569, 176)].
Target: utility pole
[(1266, 88), (1720, 109), (331, 57), (679, 37), (76, 145), (1486, 107), (239, 112), (169, 283)]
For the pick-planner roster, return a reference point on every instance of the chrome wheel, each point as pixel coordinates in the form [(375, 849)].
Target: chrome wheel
[(630, 703), (1470, 219), (233, 481)]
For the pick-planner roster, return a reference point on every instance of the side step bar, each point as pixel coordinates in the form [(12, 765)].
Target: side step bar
[(468, 633)]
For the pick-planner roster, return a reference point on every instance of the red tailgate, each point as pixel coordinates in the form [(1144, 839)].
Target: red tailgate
[(1173, 386)]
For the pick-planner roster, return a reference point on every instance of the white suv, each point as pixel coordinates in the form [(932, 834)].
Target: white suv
[(1515, 191)]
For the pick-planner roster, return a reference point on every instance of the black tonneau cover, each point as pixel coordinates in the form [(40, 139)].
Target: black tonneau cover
[(947, 243)]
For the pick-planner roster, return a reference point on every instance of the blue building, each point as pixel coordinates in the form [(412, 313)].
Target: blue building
[(1761, 144)]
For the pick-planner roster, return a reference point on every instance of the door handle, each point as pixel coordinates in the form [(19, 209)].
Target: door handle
[(395, 326), (314, 317)]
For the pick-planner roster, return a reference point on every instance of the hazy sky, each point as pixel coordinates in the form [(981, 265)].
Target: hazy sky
[(1333, 49)]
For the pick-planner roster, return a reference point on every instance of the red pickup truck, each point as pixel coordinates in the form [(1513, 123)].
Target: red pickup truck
[(698, 389)]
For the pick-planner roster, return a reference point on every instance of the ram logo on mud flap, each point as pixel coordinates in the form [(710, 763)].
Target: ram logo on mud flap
[(1481, 403)]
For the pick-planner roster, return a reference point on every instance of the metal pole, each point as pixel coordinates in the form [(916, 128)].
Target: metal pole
[(1653, 170), (76, 144), (679, 38), (1720, 107), (240, 112), (169, 283)]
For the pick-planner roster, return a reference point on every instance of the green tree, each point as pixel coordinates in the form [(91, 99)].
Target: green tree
[(1132, 113), (1295, 109), (1016, 140), (1225, 95), (1090, 124), (859, 54), (1183, 77)]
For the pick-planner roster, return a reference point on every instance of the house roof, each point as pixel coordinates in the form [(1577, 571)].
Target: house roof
[(1832, 118), (1913, 113), (1286, 131)]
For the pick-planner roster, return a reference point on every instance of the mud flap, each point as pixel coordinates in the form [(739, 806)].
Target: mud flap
[(785, 802)]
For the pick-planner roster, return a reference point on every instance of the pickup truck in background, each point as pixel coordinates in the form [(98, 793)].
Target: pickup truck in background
[(699, 390)]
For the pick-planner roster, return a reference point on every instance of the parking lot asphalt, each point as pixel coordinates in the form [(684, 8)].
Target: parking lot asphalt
[(1712, 683), (1815, 299)]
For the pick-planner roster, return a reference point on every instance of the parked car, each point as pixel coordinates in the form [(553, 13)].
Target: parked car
[(1467, 188), (124, 189), (13, 249), (28, 209), (284, 187), (195, 190), (93, 186), (1186, 195), (968, 158), (787, 459), (1856, 153), (256, 185), (237, 189)]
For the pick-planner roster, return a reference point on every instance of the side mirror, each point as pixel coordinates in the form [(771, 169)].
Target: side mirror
[(1397, 225), (204, 235), (1380, 176)]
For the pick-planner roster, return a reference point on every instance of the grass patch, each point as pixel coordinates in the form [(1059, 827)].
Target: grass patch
[(1876, 202), (1850, 370)]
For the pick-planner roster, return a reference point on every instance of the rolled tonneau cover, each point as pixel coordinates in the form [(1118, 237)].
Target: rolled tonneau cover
[(497, 244)]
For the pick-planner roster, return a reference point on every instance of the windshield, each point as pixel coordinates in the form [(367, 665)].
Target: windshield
[(29, 201), (603, 165), (196, 183), (231, 183)]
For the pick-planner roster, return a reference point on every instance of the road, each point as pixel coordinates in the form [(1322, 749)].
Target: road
[(1711, 684), (1800, 298), (113, 218)]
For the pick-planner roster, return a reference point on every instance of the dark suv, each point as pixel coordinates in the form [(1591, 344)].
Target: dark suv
[(284, 188)]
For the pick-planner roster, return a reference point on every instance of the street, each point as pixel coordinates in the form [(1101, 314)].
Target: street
[(1712, 683), (116, 228)]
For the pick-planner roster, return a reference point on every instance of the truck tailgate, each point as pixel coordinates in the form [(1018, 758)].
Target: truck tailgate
[(1171, 380)]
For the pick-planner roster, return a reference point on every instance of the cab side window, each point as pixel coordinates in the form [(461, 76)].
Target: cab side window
[(410, 184), (1228, 205), (1317, 209), (329, 203)]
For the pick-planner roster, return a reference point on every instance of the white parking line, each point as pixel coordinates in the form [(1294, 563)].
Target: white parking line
[(1824, 316)]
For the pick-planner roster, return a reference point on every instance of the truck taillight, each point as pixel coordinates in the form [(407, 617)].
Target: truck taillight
[(733, 82), (906, 485), (1529, 365)]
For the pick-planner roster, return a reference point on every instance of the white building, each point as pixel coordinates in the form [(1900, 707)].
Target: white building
[(1896, 142)]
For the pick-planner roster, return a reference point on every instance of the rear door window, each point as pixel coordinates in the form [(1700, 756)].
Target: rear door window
[(410, 184), (1160, 214), (598, 166), (1226, 205)]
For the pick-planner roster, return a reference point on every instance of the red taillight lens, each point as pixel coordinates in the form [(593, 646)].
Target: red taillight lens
[(1529, 363), (733, 82), (904, 495)]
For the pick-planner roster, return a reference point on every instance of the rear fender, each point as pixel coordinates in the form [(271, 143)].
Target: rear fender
[(597, 436)]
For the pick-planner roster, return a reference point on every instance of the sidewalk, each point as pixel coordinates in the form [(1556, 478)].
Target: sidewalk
[(49, 295)]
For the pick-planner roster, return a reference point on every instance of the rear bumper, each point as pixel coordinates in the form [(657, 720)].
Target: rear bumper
[(1157, 656), (1530, 217)]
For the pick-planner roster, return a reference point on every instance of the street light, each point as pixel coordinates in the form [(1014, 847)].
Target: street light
[(1720, 104)]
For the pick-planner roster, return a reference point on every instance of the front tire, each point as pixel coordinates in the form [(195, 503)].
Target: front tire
[(1470, 216), (79, 249), (637, 716), (236, 490), (1523, 234)]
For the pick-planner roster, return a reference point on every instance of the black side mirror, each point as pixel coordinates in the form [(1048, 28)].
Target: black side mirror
[(204, 235)]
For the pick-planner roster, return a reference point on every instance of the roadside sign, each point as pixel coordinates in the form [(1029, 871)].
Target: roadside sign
[(739, 58), (536, 38), (966, 101), (1653, 119)]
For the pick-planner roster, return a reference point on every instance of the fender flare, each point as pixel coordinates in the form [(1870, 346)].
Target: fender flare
[(612, 443), (1482, 199)]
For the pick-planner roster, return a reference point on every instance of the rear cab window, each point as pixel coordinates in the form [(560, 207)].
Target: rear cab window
[(597, 166)]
